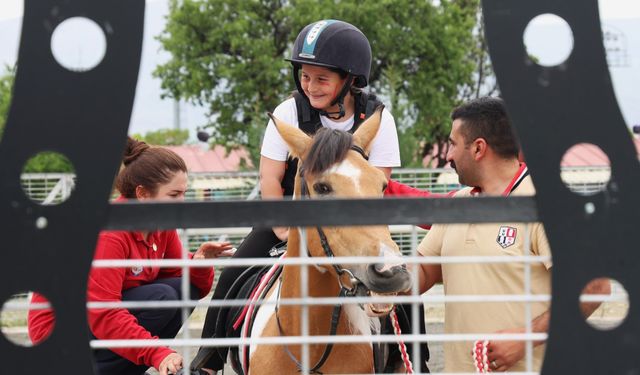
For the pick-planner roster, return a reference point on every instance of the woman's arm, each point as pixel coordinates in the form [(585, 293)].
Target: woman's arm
[(106, 285)]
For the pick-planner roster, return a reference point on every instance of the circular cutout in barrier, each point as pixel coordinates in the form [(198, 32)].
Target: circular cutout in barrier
[(548, 40), (610, 313), (78, 44), (48, 178), (585, 169), (24, 309)]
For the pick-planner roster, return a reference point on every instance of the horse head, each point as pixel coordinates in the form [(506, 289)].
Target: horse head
[(333, 165)]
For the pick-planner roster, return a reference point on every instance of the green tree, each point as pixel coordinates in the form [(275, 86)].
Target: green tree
[(6, 86), (483, 83), (165, 137), (229, 57), (48, 162)]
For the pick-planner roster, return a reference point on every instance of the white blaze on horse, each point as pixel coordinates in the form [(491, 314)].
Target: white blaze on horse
[(333, 165)]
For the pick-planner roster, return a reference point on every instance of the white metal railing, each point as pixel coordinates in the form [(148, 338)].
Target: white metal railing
[(48, 188), (406, 236), (185, 344), (244, 185)]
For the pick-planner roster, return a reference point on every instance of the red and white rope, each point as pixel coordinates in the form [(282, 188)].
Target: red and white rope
[(403, 348), (480, 358)]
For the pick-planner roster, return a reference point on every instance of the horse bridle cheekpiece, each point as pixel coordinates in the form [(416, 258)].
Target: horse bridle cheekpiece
[(357, 286)]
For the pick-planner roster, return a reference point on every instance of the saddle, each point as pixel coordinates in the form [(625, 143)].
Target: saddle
[(232, 320)]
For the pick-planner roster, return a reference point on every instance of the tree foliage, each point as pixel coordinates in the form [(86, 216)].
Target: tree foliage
[(48, 162), (164, 137), (229, 57), (6, 86)]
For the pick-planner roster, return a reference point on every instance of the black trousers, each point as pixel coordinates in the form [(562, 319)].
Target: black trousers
[(256, 245), (164, 323)]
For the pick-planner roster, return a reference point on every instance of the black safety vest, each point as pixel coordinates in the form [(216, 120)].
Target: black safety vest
[(309, 122)]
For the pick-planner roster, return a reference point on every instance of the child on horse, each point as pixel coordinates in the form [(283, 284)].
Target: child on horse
[(331, 61)]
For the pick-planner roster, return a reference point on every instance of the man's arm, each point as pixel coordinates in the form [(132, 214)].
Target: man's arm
[(597, 286), (429, 275), (508, 353)]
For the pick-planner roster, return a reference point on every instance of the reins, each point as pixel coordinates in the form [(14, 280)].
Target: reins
[(357, 288), (356, 285)]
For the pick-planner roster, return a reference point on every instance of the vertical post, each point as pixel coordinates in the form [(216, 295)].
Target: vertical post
[(186, 295)]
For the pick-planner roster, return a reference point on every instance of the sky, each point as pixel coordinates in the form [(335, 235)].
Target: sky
[(608, 8)]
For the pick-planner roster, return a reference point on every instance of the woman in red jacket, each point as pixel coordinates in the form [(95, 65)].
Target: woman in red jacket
[(149, 173)]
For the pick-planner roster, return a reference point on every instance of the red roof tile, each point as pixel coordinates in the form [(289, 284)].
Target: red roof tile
[(588, 155), (200, 159)]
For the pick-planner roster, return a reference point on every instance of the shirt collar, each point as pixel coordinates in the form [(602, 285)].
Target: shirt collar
[(520, 175)]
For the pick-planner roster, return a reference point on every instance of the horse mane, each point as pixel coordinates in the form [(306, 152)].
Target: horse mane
[(329, 147)]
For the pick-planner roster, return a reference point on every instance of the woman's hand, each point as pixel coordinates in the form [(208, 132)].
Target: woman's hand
[(212, 249), (170, 364)]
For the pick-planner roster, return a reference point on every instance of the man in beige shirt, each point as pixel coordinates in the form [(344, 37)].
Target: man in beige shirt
[(484, 152)]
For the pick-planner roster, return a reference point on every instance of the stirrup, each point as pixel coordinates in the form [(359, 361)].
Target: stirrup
[(202, 357)]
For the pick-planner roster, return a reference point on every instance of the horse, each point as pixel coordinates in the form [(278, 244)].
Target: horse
[(332, 164)]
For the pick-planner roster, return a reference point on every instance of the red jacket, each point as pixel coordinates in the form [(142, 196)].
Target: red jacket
[(107, 284), (395, 188)]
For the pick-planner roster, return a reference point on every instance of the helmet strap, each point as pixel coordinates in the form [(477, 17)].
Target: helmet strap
[(296, 79), (339, 100)]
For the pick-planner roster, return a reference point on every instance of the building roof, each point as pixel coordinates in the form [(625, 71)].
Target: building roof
[(200, 159), (588, 155), (203, 159)]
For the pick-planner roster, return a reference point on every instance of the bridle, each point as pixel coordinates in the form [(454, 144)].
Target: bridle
[(357, 286)]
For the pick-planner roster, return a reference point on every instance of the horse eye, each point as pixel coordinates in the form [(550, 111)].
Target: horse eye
[(322, 188)]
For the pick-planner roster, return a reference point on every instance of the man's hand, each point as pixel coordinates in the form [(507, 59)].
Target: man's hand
[(502, 355), (213, 249), (170, 364)]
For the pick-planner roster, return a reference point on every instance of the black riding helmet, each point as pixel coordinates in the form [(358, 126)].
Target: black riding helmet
[(337, 45)]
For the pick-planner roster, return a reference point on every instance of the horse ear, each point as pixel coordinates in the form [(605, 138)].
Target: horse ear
[(368, 130), (296, 139)]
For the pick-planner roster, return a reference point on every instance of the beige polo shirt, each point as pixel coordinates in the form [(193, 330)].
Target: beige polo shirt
[(488, 279)]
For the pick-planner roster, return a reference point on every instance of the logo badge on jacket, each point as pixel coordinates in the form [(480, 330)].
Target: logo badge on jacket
[(506, 236), (136, 270)]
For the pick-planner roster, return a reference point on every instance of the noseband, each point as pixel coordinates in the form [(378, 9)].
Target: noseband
[(357, 287)]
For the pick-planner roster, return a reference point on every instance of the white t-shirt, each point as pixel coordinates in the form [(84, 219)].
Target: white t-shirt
[(385, 151)]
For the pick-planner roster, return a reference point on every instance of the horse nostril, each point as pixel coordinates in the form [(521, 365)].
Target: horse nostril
[(381, 269)]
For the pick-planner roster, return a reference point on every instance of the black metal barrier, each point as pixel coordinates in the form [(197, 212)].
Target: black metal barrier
[(84, 115), (553, 109)]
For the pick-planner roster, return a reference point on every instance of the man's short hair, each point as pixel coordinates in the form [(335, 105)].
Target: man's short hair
[(487, 118)]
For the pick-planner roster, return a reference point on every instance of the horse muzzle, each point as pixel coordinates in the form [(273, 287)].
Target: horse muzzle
[(383, 280)]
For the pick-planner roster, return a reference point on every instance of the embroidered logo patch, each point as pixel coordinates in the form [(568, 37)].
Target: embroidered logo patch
[(315, 31), (506, 236), (136, 270)]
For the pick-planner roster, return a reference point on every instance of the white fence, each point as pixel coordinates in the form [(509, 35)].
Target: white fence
[(51, 188)]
